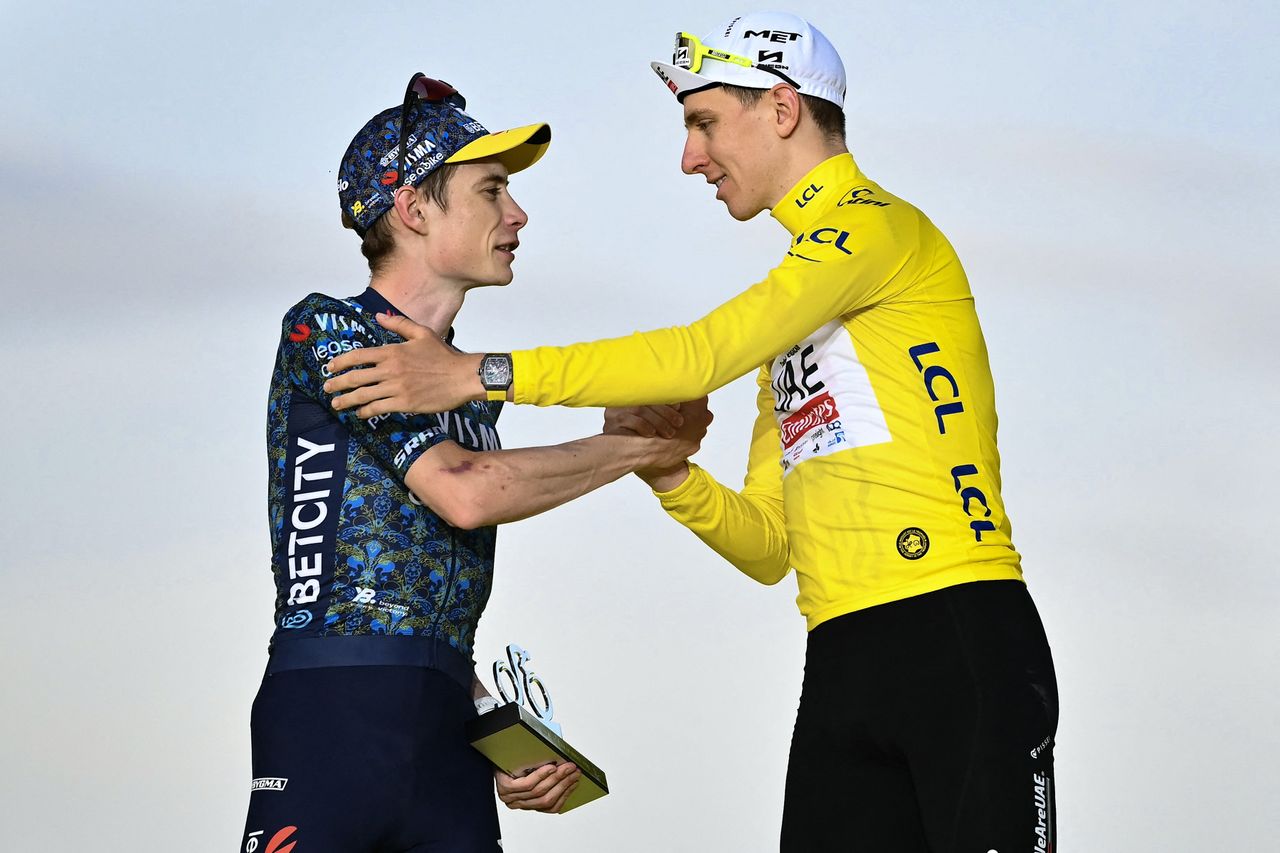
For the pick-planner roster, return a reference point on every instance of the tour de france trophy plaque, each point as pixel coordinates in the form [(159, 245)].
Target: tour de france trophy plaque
[(519, 735)]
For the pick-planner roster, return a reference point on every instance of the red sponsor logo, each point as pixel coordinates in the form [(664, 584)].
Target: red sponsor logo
[(300, 333), (389, 177), (818, 411), (277, 842)]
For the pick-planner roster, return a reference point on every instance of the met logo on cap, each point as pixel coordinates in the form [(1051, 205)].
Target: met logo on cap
[(780, 36)]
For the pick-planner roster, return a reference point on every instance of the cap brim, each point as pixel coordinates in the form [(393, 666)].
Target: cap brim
[(517, 148), (681, 81)]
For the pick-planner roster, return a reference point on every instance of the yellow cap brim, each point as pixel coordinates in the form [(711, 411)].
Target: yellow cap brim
[(517, 148)]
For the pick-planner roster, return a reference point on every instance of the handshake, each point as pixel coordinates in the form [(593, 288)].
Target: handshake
[(682, 428)]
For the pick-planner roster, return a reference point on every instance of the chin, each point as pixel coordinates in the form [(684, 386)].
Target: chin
[(742, 213)]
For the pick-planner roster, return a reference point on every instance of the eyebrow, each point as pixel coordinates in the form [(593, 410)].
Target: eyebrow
[(697, 116), (494, 177)]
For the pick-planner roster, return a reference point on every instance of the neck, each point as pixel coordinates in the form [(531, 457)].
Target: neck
[(432, 303), (803, 161)]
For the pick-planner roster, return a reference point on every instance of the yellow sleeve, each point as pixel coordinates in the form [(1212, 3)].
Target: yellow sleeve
[(747, 528), (856, 261)]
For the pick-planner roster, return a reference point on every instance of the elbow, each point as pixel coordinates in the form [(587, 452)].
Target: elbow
[(458, 509), (466, 514), (767, 571), (771, 574), (470, 518)]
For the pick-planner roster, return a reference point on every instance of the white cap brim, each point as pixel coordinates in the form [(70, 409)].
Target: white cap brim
[(682, 82)]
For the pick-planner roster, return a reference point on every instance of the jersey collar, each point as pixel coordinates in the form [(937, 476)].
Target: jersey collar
[(815, 193), (375, 303)]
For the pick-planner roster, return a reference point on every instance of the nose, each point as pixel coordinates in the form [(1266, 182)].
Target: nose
[(695, 155), (516, 217)]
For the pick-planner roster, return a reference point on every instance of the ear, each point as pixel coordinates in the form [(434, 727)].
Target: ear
[(409, 209), (786, 109)]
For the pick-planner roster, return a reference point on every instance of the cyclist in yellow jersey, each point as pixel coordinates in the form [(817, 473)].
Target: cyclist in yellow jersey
[(929, 706)]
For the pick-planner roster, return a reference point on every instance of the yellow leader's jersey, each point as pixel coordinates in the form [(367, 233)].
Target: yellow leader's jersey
[(873, 468)]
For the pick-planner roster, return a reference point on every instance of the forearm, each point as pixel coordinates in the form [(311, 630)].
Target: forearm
[(747, 530), (686, 362), (507, 485)]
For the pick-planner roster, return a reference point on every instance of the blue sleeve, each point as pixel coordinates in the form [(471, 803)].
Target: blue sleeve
[(320, 328)]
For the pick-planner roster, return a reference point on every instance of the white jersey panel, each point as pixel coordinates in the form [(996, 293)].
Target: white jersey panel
[(823, 398)]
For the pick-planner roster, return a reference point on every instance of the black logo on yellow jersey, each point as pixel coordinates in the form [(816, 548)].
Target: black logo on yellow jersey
[(861, 195), (913, 543)]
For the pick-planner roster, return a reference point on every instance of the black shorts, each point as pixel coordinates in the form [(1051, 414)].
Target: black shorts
[(358, 759), (926, 726)]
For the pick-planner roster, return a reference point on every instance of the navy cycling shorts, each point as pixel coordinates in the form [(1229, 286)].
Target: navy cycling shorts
[(365, 759)]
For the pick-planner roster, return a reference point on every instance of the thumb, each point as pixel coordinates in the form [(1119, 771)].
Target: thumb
[(403, 326)]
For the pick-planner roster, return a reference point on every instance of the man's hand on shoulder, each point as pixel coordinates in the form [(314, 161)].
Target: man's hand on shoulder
[(423, 374), (544, 789), (683, 426)]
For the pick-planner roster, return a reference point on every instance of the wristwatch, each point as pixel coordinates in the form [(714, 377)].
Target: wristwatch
[(495, 374)]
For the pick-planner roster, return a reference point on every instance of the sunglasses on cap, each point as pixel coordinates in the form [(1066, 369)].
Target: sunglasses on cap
[(689, 53), (422, 88)]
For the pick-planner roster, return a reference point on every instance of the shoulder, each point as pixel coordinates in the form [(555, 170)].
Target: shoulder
[(319, 312), (337, 325), (863, 218), (864, 203)]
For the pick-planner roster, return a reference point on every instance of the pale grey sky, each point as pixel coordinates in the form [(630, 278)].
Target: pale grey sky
[(1106, 172)]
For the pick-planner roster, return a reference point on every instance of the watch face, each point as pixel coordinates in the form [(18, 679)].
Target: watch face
[(495, 372)]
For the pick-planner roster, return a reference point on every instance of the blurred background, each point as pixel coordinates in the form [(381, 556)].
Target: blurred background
[(1107, 173)]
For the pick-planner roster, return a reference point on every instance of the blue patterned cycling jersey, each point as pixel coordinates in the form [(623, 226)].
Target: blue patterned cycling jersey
[(353, 551)]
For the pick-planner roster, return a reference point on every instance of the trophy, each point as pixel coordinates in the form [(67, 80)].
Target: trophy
[(520, 735)]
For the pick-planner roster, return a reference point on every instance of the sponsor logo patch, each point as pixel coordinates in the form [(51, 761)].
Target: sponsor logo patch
[(861, 195), (819, 411), (268, 783), (913, 543)]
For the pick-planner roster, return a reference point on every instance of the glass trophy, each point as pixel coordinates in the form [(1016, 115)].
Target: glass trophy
[(520, 734)]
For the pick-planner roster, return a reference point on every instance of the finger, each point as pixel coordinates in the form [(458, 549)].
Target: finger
[(520, 789), (632, 422), (384, 406), (564, 798), (670, 414), (352, 378), (694, 407), (544, 794), (357, 357), (664, 419), (403, 326), (627, 421), (360, 396), (514, 788), (554, 798)]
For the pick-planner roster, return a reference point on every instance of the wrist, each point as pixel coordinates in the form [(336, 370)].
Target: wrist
[(472, 384), (665, 481)]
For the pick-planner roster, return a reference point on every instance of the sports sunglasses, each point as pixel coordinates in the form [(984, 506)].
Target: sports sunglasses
[(689, 53), (422, 88)]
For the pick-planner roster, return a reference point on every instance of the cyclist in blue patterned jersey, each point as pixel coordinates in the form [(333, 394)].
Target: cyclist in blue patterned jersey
[(383, 530)]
